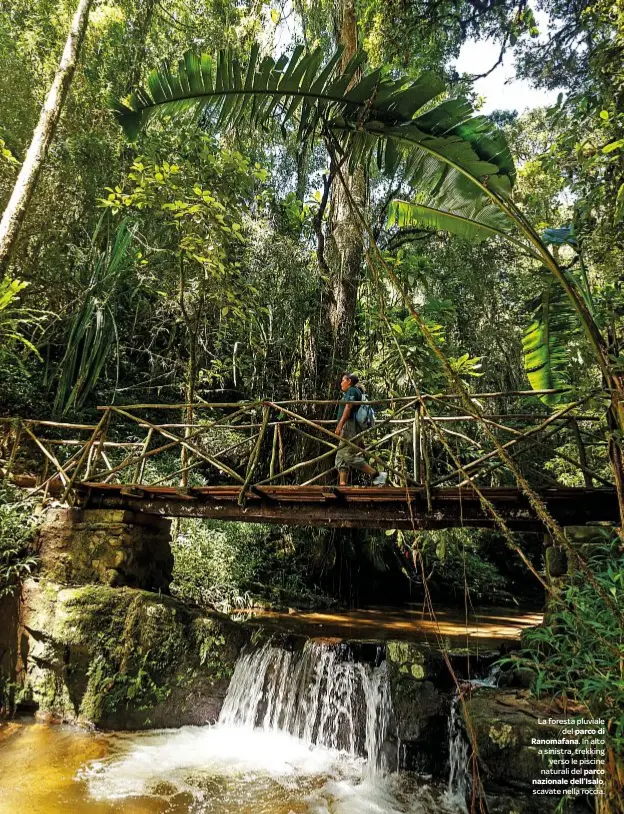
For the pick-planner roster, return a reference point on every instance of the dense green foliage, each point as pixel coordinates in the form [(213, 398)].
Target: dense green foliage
[(207, 258), (577, 654), (17, 528)]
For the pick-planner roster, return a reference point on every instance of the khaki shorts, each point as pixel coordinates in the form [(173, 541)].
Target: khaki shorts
[(346, 456)]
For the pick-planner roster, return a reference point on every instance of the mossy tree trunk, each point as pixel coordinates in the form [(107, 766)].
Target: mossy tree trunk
[(343, 250), (26, 182)]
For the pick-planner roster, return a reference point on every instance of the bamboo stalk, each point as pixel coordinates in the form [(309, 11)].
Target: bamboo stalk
[(44, 474), (70, 464), (515, 455), (416, 446), (427, 466), (318, 477), (295, 467), (15, 447), (586, 471), (85, 452), (255, 455), (140, 467), (520, 436), (372, 446), (273, 451), (199, 463), (39, 422), (183, 442), (346, 441), (133, 459), (47, 454), (97, 449), (390, 400), (106, 461), (431, 419), (60, 442), (280, 445)]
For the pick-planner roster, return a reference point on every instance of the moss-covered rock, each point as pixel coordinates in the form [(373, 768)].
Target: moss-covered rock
[(419, 704), (121, 658), (504, 722), (418, 661)]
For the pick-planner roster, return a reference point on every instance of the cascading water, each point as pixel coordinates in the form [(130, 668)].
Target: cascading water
[(316, 695), (460, 776), (301, 732)]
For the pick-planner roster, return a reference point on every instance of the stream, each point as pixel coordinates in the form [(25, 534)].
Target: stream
[(300, 732)]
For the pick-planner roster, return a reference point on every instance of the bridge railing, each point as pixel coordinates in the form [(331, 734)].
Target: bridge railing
[(421, 441)]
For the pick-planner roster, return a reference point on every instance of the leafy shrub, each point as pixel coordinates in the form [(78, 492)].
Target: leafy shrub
[(17, 526), (578, 655), (454, 561), (228, 565)]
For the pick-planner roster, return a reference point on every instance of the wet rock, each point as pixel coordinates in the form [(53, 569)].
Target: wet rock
[(504, 722), (417, 661), (420, 707), (123, 658), (519, 677)]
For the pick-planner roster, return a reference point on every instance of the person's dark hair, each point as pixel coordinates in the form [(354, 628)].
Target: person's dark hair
[(351, 376)]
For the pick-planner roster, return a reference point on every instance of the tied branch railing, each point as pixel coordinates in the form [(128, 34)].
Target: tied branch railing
[(293, 443)]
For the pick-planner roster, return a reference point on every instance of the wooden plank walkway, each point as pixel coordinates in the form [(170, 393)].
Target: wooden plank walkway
[(356, 507)]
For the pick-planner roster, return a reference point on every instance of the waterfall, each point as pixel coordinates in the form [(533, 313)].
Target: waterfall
[(319, 695), (460, 777), (459, 771)]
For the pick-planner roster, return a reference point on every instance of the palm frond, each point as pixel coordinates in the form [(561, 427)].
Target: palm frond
[(376, 118), (14, 319), (476, 221)]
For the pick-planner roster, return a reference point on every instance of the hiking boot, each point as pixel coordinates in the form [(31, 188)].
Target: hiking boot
[(380, 479)]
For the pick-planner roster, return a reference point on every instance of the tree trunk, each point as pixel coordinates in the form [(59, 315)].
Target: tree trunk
[(343, 247), (24, 188), (143, 24)]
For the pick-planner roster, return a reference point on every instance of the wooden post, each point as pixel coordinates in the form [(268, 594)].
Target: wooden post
[(47, 454), (427, 464), (416, 443), (140, 468), (14, 448), (337, 438), (177, 440), (102, 424), (273, 452), (255, 455), (280, 444)]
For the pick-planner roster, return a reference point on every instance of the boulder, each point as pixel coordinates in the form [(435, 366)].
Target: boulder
[(504, 722), (120, 658), (420, 706)]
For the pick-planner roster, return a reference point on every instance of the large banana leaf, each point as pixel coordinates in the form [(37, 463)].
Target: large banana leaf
[(475, 221), (545, 343), (376, 117)]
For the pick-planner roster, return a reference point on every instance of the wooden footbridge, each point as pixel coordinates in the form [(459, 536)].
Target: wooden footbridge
[(272, 462)]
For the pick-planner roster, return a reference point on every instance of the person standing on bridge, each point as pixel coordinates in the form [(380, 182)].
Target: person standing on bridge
[(346, 457)]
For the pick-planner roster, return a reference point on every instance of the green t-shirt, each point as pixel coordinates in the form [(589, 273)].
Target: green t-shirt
[(352, 394)]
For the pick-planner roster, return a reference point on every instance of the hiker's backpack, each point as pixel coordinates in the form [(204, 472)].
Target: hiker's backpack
[(365, 415)]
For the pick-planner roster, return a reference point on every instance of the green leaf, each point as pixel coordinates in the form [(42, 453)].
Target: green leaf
[(489, 222), (544, 343), (378, 115)]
